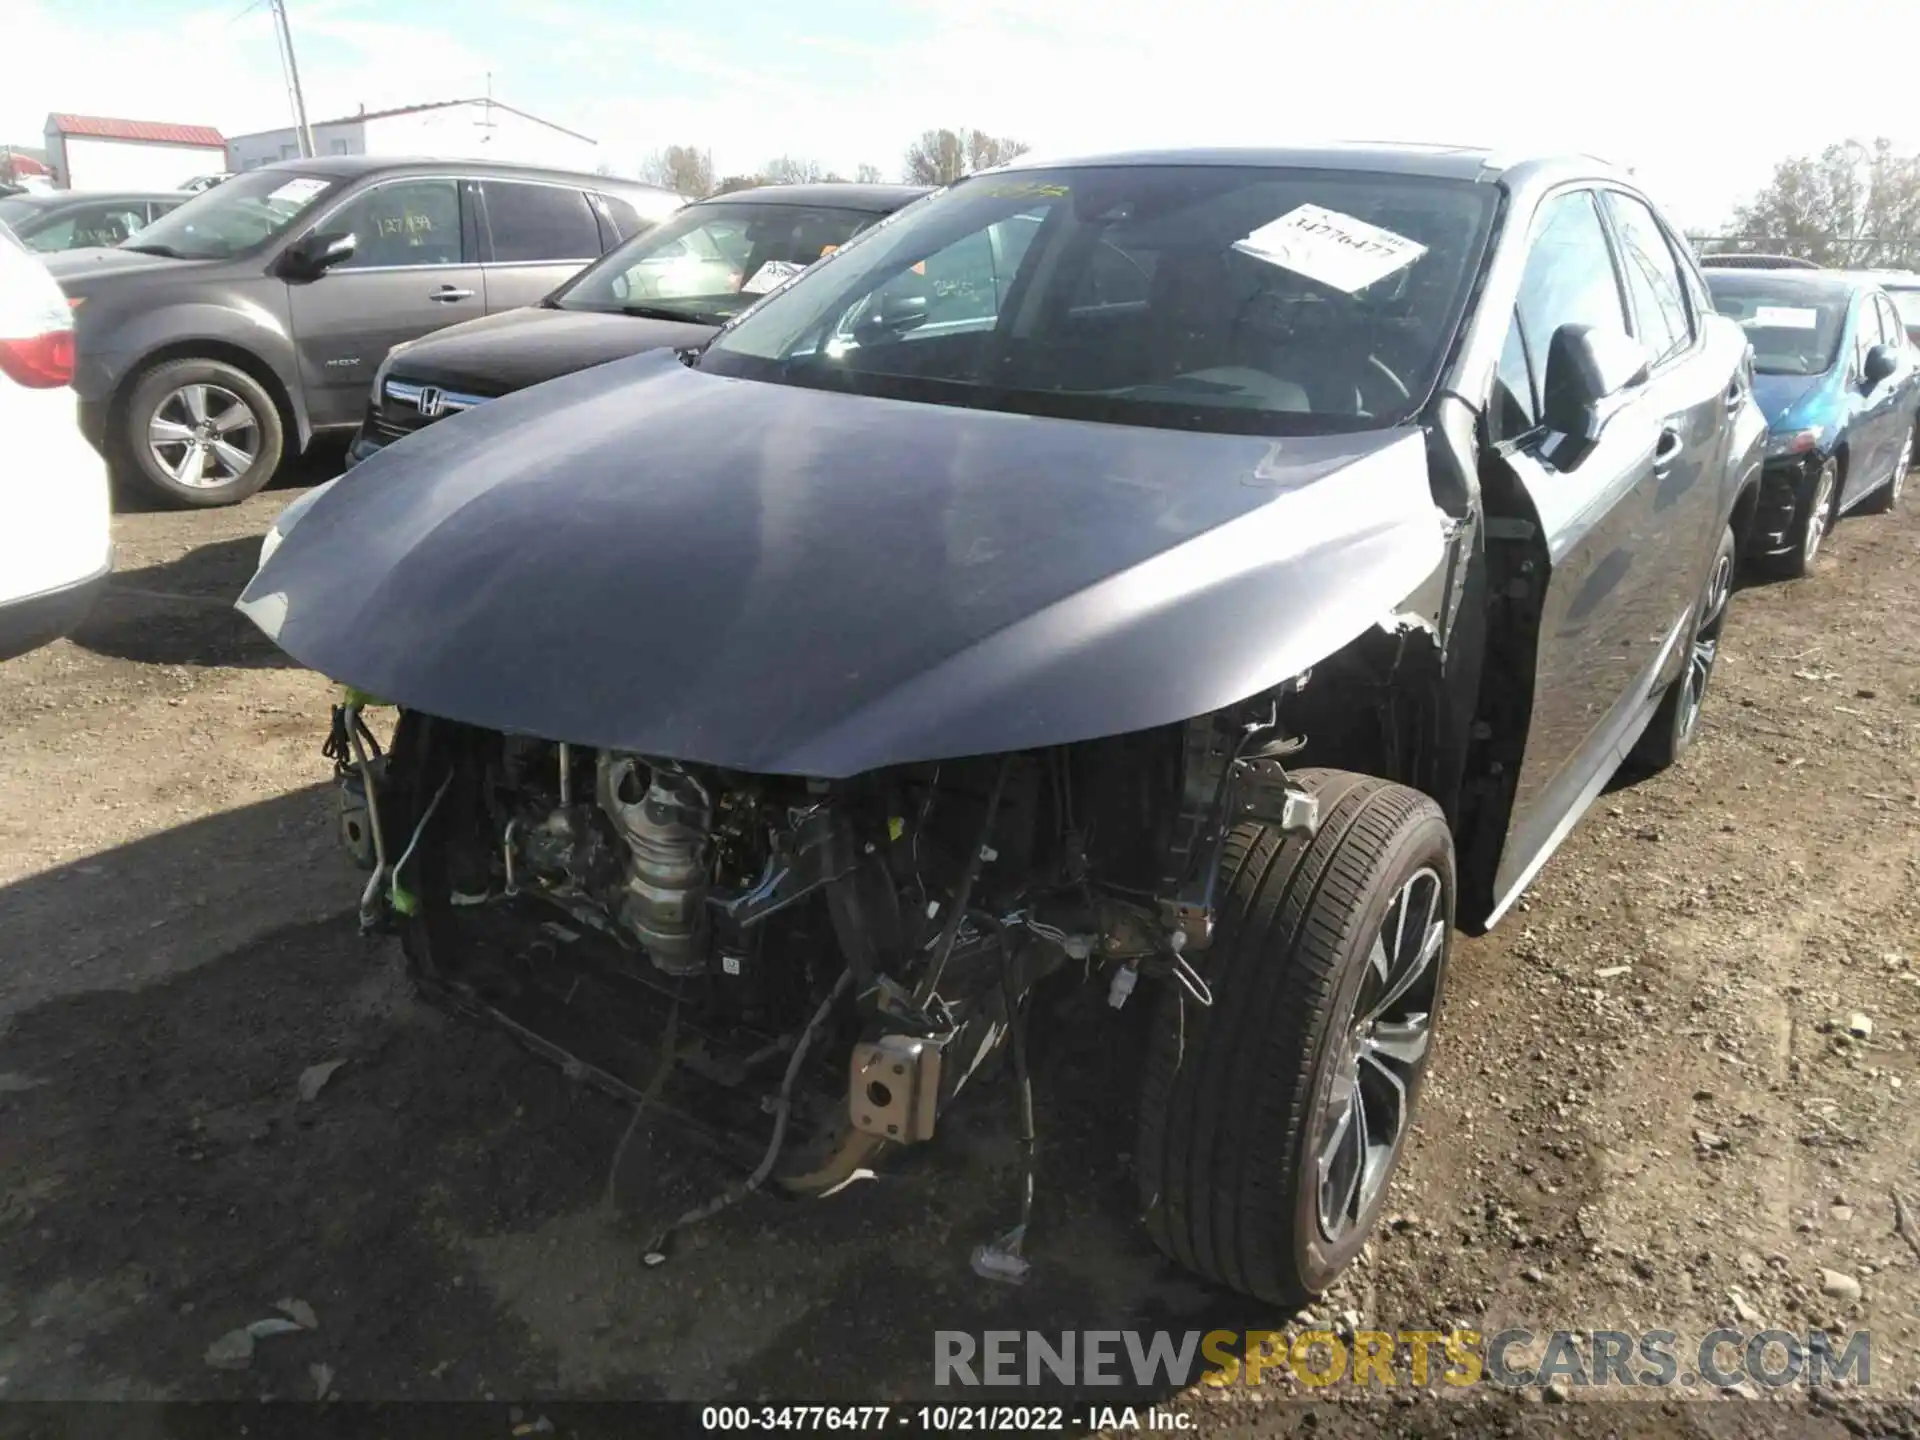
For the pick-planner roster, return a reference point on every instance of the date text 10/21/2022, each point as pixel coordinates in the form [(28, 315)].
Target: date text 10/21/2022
[(944, 1419)]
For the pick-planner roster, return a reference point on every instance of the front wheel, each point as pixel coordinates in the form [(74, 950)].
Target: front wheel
[(1811, 522), (199, 433), (1271, 1121)]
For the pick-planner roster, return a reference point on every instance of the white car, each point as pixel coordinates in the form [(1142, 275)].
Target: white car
[(56, 537)]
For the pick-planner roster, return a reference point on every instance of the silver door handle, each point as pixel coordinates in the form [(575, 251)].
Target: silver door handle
[(1668, 450), (447, 294)]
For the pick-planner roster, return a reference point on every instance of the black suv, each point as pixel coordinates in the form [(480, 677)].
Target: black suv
[(673, 287), (248, 322)]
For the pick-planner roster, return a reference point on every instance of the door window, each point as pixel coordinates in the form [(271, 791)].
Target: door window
[(1569, 279), (1515, 408), (1653, 280), (407, 222), (1891, 325), (539, 222), (1866, 335), (1891, 331)]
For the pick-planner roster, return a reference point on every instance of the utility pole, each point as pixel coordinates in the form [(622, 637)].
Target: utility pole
[(285, 35)]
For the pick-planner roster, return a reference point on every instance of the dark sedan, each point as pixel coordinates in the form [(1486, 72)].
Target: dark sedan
[(670, 288), (1840, 384), (64, 220), (938, 638)]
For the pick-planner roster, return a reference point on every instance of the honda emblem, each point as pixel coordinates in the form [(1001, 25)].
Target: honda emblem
[(431, 402)]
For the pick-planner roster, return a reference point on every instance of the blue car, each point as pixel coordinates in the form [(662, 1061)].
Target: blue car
[(1839, 381)]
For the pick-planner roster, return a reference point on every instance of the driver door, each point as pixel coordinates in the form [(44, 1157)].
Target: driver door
[(1616, 520), (412, 271)]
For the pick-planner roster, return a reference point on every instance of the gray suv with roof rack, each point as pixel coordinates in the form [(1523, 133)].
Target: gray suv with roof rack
[(247, 323)]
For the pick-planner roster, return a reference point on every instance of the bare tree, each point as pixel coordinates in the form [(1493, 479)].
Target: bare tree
[(940, 157), (867, 174), (794, 170), (685, 168), (1850, 205)]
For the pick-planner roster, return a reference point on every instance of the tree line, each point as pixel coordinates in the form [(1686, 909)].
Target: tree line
[(938, 157), (1852, 206)]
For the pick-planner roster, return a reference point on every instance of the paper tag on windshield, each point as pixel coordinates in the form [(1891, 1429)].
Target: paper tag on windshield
[(1785, 317), (770, 276), (1332, 248), (298, 192)]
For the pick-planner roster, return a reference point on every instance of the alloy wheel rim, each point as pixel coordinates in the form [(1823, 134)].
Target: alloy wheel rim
[(1706, 640), (1384, 1043), (203, 436), (1822, 507)]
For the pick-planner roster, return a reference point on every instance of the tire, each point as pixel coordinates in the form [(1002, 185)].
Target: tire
[(1887, 497), (1674, 724), (1812, 521), (1239, 1097), (183, 409)]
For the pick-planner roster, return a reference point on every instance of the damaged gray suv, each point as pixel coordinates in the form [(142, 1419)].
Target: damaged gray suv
[(1208, 579)]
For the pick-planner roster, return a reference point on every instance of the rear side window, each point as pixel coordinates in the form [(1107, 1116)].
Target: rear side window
[(539, 222), (621, 218), (1660, 318)]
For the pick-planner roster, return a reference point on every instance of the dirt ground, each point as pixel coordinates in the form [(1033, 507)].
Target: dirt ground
[(1648, 1109)]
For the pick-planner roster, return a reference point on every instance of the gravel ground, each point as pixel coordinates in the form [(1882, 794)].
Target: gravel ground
[(1655, 1105)]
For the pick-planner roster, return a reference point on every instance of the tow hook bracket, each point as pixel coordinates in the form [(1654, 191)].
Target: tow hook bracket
[(1263, 793), (894, 1087)]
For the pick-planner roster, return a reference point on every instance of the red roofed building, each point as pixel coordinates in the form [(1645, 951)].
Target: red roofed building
[(97, 152)]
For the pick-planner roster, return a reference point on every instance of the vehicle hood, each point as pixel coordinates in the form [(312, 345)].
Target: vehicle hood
[(500, 353), (1794, 401), (649, 558), (92, 260)]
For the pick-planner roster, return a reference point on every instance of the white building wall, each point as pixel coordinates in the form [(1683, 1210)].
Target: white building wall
[(250, 152), (478, 131), (86, 162)]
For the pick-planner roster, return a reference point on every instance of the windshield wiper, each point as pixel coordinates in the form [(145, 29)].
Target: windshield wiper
[(166, 250)]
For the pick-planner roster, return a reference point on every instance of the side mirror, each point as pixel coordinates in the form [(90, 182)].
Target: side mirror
[(895, 314), (312, 255), (1588, 366), (1881, 362)]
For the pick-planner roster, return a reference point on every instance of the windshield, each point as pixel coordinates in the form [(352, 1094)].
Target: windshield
[(1792, 331), (237, 215), (1249, 299), (709, 262)]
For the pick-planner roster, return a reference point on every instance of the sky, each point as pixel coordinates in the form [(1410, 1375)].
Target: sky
[(1698, 97)]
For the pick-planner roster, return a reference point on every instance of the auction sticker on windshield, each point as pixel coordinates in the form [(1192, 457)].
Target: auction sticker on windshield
[(770, 276), (299, 191), (1332, 248), (1785, 317)]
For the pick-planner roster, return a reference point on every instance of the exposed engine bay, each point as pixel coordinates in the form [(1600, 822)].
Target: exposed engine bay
[(846, 955)]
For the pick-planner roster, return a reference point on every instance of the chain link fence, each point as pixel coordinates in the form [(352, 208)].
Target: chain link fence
[(1863, 252)]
